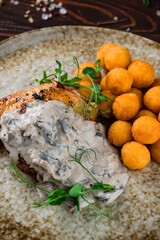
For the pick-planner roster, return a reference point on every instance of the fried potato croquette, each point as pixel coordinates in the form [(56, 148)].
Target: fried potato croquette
[(81, 67), (139, 95), (106, 107), (159, 117), (120, 133), (102, 51), (119, 81), (135, 155), (126, 106), (152, 99), (117, 57), (155, 151), (142, 73), (103, 84), (145, 112), (146, 130), (156, 82), (86, 92)]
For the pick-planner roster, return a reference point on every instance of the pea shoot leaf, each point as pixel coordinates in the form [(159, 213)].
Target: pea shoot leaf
[(98, 69), (44, 74), (73, 80), (89, 71), (64, 78), (97, 63), (56, 197), (102, 97), (101, 186), (76, 190), (57, 192), (59, 64), (58, 70)]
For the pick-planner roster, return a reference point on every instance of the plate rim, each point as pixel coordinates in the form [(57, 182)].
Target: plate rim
[(76, 26)]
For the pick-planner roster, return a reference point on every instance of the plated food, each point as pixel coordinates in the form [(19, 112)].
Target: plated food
[(130, 87), (43, 131), (123, 201)]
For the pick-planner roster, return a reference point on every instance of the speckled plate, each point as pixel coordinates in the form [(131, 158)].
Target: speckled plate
[(25, 56)]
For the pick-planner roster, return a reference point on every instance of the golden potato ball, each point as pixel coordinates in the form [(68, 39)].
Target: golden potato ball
[(135, 155), (159, 117), (142, 73), (126, 106), (102, 51), (117, 57), (119, 81), (81, 67), (139, 95), (146, 130), (156, 82), (103, 84), (155, 151), (145, 112), (152, 99), (106, 107), (120, 133), (86, 92)]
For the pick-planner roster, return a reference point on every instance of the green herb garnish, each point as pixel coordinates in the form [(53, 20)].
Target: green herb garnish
[(95, 88), (77, 158), (146, 2), (59, 196)]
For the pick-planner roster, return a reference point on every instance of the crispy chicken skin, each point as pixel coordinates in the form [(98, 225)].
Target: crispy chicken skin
[(55, 91), (45, 92)]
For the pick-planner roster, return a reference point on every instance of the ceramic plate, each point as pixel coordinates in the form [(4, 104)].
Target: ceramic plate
[(26, 56)]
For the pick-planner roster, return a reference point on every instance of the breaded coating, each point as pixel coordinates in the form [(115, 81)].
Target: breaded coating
[(155, 151), (142, 73), (102, 51), (152, 99), (126, 106), (86, 92), (146, 130), (139, 95), (107, 106), (103, 84), (156, 82), (119, 81), (145, 112), (120, 133), (117, 57), (135, 155)]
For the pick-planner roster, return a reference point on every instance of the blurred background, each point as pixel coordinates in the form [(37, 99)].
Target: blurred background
[(141, 17)]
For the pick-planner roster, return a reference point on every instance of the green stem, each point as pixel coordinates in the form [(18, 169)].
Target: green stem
[(50, 75), (21, 177), (98, 209), (91, 190), (88, 172), (38, 187)]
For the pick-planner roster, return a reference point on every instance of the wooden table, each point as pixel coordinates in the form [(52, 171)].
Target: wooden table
[(133, 16)]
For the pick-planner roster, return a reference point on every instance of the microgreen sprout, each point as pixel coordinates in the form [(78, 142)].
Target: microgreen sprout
[(77, 158), (96, 94), (59, 196), (96, 218)]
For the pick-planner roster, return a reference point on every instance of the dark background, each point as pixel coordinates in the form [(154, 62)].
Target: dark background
[(133, 15)]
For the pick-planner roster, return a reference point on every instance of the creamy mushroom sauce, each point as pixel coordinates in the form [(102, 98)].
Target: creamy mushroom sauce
[(41, 136)]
